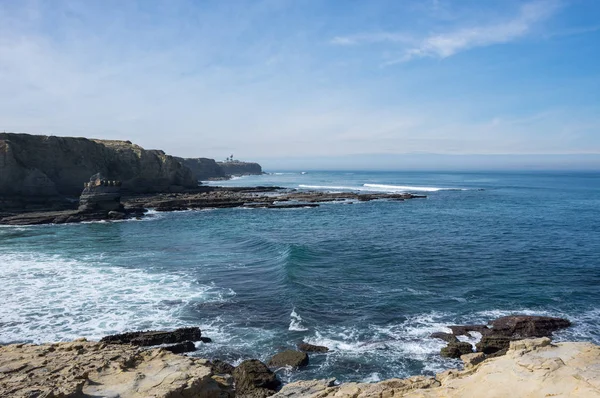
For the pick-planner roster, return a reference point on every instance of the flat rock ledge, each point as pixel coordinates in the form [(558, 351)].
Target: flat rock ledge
[(531, 368), (86, 369)]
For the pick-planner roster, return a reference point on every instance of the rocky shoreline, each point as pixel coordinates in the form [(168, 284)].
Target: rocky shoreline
[(204, 197), (150, 364)]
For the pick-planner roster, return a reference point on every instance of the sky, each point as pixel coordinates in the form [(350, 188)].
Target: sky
[(307, 79)]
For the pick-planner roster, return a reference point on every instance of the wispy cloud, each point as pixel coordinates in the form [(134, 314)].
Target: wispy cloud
[(443, 45)]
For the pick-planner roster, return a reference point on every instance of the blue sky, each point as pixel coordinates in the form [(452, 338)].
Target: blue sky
[(305, 78)]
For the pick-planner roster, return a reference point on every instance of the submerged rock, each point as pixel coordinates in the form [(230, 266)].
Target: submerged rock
[(295, 359), (254, 379), (154, 337), (306, 347)]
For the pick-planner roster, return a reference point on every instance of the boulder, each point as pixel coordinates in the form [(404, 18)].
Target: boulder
[(456, 350), (447, 337), (254, 379), (306, 347), (493, 343), (154, 337), (524, 326), (180, 348), (221, 367), (295, 359)]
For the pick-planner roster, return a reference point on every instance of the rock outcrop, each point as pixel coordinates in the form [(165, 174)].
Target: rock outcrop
[(36, 168), (203, 169), (86, 369), (531, 368), (101, 194), (155, 337), (295, 359), (236, 168), (253, 379), (306, 347), (496, 338)]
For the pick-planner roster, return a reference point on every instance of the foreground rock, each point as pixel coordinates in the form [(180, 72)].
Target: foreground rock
[(253, 379), (531, 368), (81, 368)]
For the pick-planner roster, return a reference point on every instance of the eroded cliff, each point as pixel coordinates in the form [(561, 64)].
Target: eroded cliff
[(37, 166)]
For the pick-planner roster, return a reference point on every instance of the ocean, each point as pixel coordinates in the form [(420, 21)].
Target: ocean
[(369, 280)]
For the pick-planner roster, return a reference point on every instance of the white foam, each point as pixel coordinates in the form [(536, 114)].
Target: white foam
[(408, 188), (378, 188), (296, 322), (49, 298)]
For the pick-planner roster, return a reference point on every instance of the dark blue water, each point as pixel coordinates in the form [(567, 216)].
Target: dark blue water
[(369, 280)]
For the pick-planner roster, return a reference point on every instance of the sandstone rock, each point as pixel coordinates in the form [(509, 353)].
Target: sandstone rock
[(254, 379), (306, 388), (455, 350), (295, 359), (447, 337), (86, 369), (153, 337), (531, 369), (523, 326), (306, 347), (472, 359)]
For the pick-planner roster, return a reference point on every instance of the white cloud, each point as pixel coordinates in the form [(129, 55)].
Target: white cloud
[(443, 45)]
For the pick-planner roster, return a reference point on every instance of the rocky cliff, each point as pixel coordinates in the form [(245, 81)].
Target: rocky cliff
[(203, 168), (36, 166), (237, 168)]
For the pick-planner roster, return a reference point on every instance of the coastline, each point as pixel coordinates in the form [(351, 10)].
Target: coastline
[(530, 368)]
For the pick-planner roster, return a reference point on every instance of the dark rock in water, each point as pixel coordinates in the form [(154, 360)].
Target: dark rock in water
[(295, 359), (312, 348), (254, 379), (180, 348), (524, 326), (463, 330), (493, 343), (221, 367), (447, 337), (455, 350), (116, 215), (153, 337), (206, 340)]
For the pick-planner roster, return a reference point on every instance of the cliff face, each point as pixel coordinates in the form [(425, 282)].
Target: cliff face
[(240, 168), (203, 168), (46, 166)]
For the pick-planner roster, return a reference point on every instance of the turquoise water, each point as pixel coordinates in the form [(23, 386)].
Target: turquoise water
[(369, 280)]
